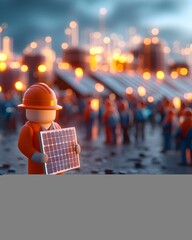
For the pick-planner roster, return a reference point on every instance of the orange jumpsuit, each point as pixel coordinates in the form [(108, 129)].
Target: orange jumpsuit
[(29, 143)]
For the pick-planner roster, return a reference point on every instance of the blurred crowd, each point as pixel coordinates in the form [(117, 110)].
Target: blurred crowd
[(124, 121), (121, 120)]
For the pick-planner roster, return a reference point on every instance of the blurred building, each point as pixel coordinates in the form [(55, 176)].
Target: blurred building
[(39, 57), (179, 69), (8, 78), (33, 61), (151, 56), (76, 57)]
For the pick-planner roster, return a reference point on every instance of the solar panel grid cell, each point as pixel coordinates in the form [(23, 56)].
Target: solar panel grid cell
[(59, 145)]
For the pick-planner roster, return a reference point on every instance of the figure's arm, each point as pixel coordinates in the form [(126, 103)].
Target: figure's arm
[(25, 145)]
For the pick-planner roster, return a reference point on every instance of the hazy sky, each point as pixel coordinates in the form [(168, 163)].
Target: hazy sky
[(29, 20)]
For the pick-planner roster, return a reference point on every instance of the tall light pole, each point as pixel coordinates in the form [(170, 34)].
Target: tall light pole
[(74, 33), (2, 27), (102, 14), (68, 36)]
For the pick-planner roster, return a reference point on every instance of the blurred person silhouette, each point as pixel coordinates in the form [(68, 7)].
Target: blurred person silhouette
[(184, 132), (9, 113), (126, 120), (90, 116), (111, 121), (164, 105), (169, 126), (140, 118)]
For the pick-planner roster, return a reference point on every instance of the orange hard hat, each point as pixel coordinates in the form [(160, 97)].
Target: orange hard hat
[(108, 103), (187, 112), (39, 96)]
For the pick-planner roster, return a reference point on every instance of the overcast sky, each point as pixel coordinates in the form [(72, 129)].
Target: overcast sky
[(29, 20)]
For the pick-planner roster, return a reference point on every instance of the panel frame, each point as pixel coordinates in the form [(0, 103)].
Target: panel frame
[(43, 150)]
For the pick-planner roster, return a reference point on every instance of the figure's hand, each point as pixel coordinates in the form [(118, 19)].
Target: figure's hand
[(77, 148), (39, 157)]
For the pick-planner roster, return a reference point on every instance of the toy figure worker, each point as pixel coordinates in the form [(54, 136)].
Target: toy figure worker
[(185, 134), (41, 104), (126, 118), (89, 117)]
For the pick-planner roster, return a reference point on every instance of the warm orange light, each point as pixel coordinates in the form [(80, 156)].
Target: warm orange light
[(174, 74), (63, 65), (99, 87), (92, 51), (14, 65), (0, 89), (141, 91), (147, 41), (146, 75), (48, 39), (3, 57), (24, 68), (33, 45), (64, 46), (42, 68), (116, 56), (129, 90), (155, 40), (177, 102), (160, 75), (106, 40), (120, 67), (73, 24), (155, 31), (136, 39), (150, 99), (19, 86), (95, 104), (183, 71), (122, 59), (99, 50), (188, 96), (3, 66), (130, 58), (79, 72), (93, 63)]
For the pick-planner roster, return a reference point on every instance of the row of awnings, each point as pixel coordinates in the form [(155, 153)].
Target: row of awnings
[(118, 83)]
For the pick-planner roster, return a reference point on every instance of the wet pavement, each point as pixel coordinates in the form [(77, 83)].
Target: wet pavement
[(99, 158)]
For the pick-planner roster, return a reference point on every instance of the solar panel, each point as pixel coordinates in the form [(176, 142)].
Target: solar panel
[(59, 145)]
